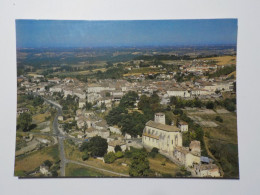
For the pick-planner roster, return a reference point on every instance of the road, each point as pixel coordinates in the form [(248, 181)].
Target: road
[(61, 137)]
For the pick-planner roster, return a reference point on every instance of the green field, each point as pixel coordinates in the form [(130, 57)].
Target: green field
[(73, 170)]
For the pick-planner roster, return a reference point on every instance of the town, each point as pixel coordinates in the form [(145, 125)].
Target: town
[(147, 113)]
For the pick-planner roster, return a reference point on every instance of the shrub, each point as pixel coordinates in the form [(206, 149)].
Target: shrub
[(219, 119), (119, 154), (163, 163), (128, 154), (177, 111), (210, 105), (110, 157), (153, 152), (85, 156), (54, 173)]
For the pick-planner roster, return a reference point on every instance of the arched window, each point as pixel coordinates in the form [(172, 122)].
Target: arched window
[(176, 140)]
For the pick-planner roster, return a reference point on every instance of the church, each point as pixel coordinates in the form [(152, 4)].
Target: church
[(164, 137)]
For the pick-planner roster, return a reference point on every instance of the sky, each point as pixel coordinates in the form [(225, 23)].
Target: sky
[(123, 33)]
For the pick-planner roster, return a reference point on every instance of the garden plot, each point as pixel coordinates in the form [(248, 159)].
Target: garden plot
[(203, 123)]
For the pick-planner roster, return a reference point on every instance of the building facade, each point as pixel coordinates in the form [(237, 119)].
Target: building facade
[(164, 137)]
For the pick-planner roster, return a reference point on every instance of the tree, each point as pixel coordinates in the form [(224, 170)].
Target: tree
[(84, 146), (47, 163), (97, 146), (128, 100), (37, 101), (173, 100), (103, 106), (115, 115), (133, 123), (88, 106), (24, 121), (143, 103), (118, 148), (139, 164), (210, 105)]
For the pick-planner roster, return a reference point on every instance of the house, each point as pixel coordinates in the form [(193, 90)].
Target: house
[(183, 126), (45, 170), (81, 123), (79, 93), (185, 157), (38, 76), (164, 137), (115, 130), (101, 125), (104, 133), (178, 92), (55, 89), (195, 147), (113, 144), (60, 118), (54, 80), (22, 110), (92, 97), (207, 170), (128, 136), (82, 103), (91, 132)]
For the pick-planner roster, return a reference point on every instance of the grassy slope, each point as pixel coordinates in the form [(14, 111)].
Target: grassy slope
[(222, 143), (35, 159)]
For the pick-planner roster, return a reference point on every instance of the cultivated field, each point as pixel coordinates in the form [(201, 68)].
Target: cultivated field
[(223, 60)]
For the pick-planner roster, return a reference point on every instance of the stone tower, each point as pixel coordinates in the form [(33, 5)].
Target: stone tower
[(159, 118)]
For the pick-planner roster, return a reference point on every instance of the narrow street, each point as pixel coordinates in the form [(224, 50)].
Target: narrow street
[(59, 134)]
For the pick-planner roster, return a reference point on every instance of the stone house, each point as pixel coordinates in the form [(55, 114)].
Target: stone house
[(185, 157), (178, 92), (45, 170), (183, 126), (82, 103), (207, 170), (115, 130), (113, 144), (22, 110)]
